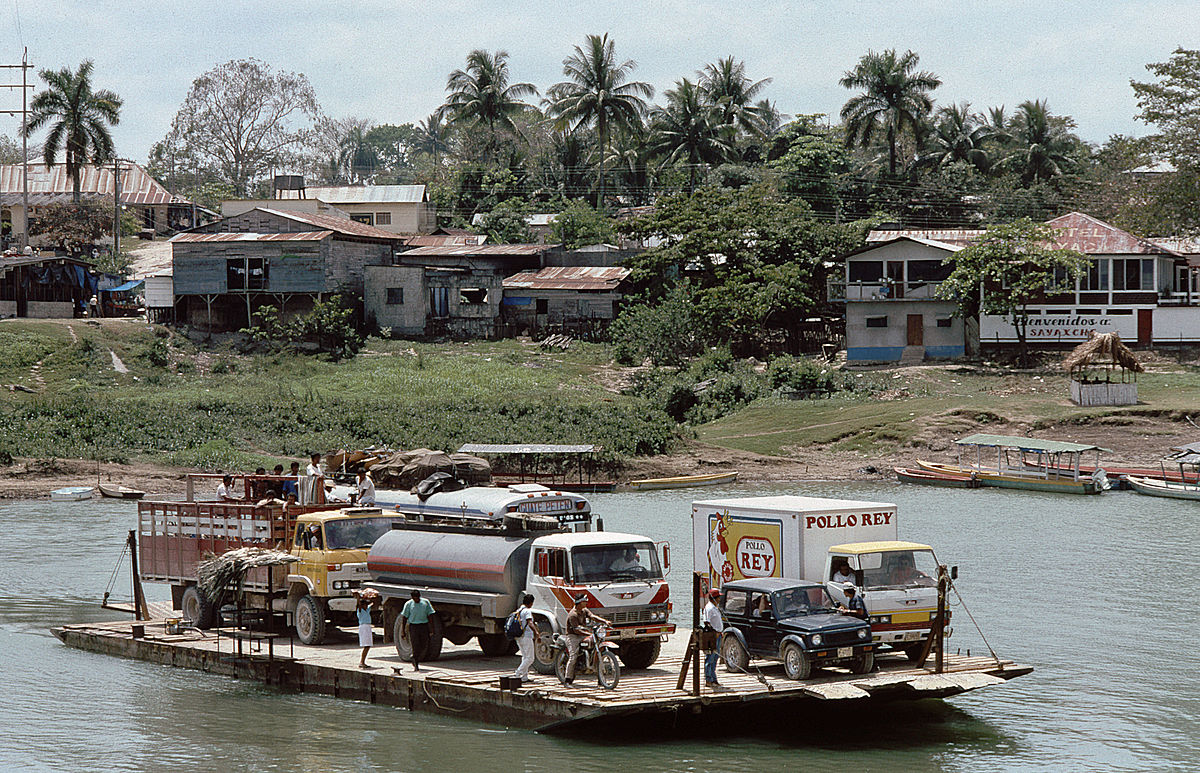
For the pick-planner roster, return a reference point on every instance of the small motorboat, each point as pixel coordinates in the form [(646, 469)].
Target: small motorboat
[(931, 478), (1158, 487), (683, 481), (119, 492), (72, 494)]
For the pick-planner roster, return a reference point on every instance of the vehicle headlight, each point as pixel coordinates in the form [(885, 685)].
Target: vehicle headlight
[(862, 633), (816, 640)]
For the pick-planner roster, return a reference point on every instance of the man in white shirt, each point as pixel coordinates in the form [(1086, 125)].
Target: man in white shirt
[(225, 490), (529, 631), (366, 488), (843, 573), (314, 467), (711, 619)]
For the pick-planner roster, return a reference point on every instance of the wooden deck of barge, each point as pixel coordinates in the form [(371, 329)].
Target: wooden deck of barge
[(465, 683)]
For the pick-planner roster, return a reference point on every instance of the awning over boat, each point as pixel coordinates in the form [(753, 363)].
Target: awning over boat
[(526, 448), (1029, 444)]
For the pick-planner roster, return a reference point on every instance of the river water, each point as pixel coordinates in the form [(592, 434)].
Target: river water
[(1088, 590)]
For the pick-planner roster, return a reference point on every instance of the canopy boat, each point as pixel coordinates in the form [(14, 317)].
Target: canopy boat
[(71, 494), (113, 491), (683, 481), (1027, 463), (1181, 484), (931, 478), (558, 459)]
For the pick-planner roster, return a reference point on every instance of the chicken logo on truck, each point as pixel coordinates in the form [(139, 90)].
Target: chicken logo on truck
[(755, 548)]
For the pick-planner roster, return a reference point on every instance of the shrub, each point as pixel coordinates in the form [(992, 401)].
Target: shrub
[(665, 334)]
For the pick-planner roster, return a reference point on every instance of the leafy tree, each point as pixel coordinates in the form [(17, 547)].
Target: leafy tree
[(664, 332), (481, 95), (240, 118), (688, 131), (598, 93), (895, 98), (1017, 264), (811, 162), (725, 86), (958, 135), (79, 117), (507, 224), (1042, 144), (74, 228), (392, 146), (578, 225), (1171, 103)]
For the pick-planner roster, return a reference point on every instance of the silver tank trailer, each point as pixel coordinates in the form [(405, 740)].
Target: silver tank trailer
[(487, 563)]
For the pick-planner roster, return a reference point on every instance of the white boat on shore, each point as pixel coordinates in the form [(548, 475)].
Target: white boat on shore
[(1157, 487), (72, 494)]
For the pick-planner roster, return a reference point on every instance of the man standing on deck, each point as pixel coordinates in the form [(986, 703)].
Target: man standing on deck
[(711, 619), (855, 606), (529, 632), (416, 614)]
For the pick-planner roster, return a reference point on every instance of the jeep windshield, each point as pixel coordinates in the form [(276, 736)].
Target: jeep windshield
[(352, 533), (799, 601), (898, 569), (613, 563)]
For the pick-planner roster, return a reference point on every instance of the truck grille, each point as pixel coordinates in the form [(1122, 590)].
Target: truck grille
[(626, 616)]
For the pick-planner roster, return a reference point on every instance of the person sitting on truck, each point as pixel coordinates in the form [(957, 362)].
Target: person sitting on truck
[(225, 490), (577, 633), (365, 488), (627, 561), (312, 538), (843, 573), (903, 571), (529, 631), (416, 614), (854, 606), (290, 486), (314, 467)]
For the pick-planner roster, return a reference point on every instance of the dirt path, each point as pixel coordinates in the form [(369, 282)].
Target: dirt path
[(118, 366)]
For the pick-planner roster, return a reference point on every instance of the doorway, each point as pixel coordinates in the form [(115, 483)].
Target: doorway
[(1145, 327), (916, 330)]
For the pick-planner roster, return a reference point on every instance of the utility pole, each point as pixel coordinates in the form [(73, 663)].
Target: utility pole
[(24, 86), (116, 207)]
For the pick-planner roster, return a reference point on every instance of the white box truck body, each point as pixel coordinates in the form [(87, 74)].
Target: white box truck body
[(809, 538)]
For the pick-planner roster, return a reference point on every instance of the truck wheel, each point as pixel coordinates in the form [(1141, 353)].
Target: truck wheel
[(862, 664), (608, 671), (309, 619), (796, 664), (543, 649), (496, 644), (434, 650), (404, 646), (640, 654), (197, 608), (734, 654)]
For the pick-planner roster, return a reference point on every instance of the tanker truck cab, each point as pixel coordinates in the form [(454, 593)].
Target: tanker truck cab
[(332, 547), (899, 586), (621, 576)]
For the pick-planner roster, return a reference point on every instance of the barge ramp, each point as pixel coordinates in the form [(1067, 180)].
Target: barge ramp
[(465, 683)]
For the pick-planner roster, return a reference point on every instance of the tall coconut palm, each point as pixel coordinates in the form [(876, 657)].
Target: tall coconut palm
[(433, 137), (598, 93), (1041, 143), (895, 98), (725, 86), (957, 135), (79, 118), (480, 94), (688, 129)]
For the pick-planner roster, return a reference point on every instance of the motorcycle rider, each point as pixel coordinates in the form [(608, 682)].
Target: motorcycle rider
[(577, 632)]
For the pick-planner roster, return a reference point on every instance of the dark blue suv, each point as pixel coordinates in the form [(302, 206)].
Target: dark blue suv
[(791, 621)]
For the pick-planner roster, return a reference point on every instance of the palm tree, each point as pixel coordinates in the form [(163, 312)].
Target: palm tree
[(598, 92), (958, 135), (481, 94), (771, 117), (895, 97), (433, 137), (725, 86), (80, 117), (356, 156), (1042, 143), (688, 130)]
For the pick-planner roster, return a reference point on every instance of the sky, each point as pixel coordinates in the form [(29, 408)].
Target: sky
[(388, 61)]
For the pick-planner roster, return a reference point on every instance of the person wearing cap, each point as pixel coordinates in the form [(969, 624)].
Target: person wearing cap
[(711, 619), (854, 605), (366, 634), (577, 632)]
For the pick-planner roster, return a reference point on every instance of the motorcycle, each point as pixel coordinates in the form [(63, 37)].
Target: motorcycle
[(595, 656)]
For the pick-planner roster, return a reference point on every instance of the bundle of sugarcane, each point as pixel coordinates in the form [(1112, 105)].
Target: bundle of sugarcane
[(217, 573)]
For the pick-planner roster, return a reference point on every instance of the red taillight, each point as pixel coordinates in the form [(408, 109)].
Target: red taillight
[(580, 505)]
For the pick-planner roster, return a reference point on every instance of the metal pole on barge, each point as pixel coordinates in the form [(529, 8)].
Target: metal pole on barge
[(696, 633), (940, 632)]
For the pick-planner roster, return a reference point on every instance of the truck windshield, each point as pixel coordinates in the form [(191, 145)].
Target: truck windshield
[(799, 601), (350, 533), (609, 563), (899, 569)]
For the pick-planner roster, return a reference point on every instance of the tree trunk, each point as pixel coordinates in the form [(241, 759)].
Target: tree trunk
[(602, 134), (892, 150)]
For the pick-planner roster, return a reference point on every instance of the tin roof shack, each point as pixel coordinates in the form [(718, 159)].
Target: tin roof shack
[(455, 290), (44, 288), (157, 207), (570, 297), (398, 209), (225, 270)]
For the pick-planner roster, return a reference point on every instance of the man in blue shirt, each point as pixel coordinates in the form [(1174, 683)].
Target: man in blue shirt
[(855, 606), (416, 614)]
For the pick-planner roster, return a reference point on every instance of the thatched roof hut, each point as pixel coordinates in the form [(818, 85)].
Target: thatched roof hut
[(1104, 352)]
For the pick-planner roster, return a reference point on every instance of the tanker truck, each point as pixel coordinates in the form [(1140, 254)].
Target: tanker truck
[(475, 574)]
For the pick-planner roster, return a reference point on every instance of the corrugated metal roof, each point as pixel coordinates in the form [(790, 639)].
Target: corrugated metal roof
[(960, 237), (1027, 444), (1084, 233), (569, 278), (871, 245), (341, 225), (480, 251), (137, 186), (367, 194), (302, 236), (526, 448), (11, 261), (446, 240)]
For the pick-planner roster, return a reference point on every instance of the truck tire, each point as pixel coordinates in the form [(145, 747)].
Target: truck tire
[(640, 654), (309, 620), (197, 608), (863, 663), (435, 639), (496, 644), (796, 663), (543, 649), (404, 646), (734, 654)]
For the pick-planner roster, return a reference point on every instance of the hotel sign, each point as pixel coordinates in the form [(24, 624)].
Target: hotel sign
[(1058, 327)]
